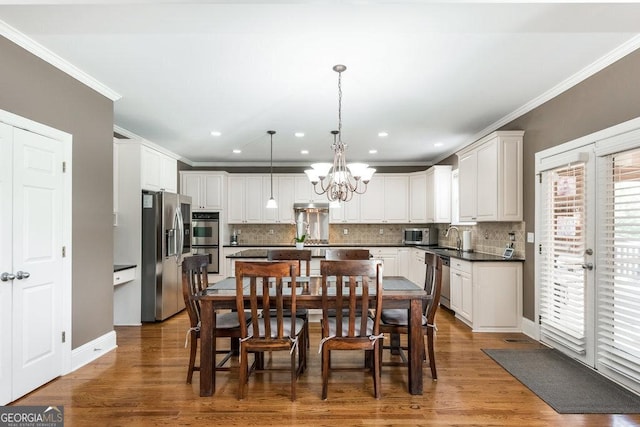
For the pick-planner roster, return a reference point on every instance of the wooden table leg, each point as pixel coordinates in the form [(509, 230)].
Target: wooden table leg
[(395, 344), (416, 347), (207, 349)]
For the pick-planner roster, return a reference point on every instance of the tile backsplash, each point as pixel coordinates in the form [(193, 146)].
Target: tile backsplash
[(490, 237)]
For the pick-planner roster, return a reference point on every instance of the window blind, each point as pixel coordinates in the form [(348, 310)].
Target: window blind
[(562, 245), (618, 293)]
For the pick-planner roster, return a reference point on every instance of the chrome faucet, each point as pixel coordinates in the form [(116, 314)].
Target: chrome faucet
[(458, 241)]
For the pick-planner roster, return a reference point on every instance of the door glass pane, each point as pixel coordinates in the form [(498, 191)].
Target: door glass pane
[(562, 287)]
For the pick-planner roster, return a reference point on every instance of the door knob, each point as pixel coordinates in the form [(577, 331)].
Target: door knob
[(588, 266), (5, 277), (22, 275)]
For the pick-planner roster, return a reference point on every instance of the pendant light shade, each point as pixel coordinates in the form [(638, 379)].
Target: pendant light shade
[(271, 203)]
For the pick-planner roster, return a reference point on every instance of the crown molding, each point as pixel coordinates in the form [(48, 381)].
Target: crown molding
[(46, 55)]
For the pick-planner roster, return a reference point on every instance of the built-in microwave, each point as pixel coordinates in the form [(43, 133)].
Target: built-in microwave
[(420, 236)]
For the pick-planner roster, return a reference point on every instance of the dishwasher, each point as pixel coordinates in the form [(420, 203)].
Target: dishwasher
[(445, 292)]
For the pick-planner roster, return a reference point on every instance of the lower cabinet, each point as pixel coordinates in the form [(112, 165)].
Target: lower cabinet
[(462, 289), (487, 296)]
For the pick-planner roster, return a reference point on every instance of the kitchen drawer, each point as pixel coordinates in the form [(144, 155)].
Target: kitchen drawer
[(460, 265), (124, 276)]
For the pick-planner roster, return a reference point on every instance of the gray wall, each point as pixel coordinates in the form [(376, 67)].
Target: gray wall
[(31, 88), (607, 98)]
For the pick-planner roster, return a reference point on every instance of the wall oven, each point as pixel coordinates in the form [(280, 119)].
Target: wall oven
[(205, 229)]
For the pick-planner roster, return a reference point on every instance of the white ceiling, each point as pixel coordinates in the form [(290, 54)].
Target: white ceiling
[(425, 72)]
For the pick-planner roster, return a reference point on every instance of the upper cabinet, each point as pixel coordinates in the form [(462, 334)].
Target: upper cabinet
[(438, 194), (207, 189), (159, 171), (490, 178), (304, 192), (248, 195), (418, 197), (386, 199)]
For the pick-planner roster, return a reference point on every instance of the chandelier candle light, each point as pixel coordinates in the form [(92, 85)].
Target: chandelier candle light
[(271, 203), (339, 181)]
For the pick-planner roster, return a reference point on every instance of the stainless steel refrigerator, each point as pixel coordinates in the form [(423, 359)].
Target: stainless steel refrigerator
[(166, 240)]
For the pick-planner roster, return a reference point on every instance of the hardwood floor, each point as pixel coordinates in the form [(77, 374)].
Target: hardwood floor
[(142, 383)]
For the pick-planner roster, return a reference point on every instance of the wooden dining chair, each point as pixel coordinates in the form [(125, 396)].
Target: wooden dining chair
[(396, 321), (299, 255), (355, 280), (194, 280), (262, 289), (346, 254)]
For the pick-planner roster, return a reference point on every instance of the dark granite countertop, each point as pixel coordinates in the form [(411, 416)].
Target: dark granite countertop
[(468, 256), (262, 253), (329, 245), (319, 252), (120, 267)]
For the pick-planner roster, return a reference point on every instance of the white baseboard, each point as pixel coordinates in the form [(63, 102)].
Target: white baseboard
[(530, 329), (92, 350)]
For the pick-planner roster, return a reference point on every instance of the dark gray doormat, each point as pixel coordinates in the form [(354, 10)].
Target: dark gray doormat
[(565, 384)]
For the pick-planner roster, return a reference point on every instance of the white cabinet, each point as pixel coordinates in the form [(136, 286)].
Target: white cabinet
[(418, 197), (158, 171), (462, 289), (497, 296), (486, 295), (438, 194), (244, 199), (386, 199), (389, 257), (417, 267), (490, 178), (206, 189), (348, 212), (304, 193), (403, 263)]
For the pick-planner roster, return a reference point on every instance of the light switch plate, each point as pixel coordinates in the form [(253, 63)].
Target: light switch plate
[(530, 238)]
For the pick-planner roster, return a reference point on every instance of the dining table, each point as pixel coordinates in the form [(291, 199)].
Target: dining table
[(398, 292)]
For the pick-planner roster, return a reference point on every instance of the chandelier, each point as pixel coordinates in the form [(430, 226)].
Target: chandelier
[(339, 180)]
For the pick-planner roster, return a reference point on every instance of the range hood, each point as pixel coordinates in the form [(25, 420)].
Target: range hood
[(312, 219)]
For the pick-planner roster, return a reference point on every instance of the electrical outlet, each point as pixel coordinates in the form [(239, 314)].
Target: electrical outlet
[(345, 231), (238, 231), (382, 231), (512, 236), (531, 238), (271, 231)]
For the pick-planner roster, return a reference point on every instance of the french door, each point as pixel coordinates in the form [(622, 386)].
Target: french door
[(565, 252), (588, 254)]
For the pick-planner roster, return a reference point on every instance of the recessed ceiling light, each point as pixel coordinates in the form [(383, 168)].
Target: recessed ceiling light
[(236, 151), (438, 144), (374, 151), (383, 134), (299, 134), (215, 133), (304, 151)]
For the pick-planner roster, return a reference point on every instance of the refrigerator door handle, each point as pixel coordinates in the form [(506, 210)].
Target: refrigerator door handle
[(179, 223)]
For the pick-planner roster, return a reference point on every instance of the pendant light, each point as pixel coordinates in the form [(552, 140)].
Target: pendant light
[(271, 203)]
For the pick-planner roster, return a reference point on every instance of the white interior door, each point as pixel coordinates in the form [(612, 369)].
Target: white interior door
[(6, 262), (566, 220), (34, 213)]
